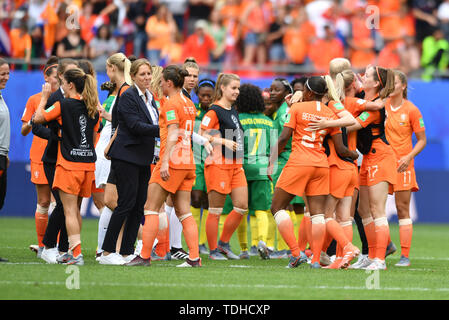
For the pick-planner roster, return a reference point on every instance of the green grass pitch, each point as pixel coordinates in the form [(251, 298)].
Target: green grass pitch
[(26, 277)]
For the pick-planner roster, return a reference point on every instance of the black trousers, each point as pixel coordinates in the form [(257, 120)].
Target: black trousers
[(56, 221), (132, 187), (3, 169)]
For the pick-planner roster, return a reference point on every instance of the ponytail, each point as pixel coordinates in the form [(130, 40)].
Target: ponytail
[(404, 81), (126, 72), (90, 95), (386, 80), (331, 91)]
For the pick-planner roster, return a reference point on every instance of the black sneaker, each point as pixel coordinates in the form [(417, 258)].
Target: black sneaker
[(178, 254)]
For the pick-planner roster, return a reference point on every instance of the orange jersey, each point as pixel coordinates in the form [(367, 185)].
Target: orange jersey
[(307, 146), (178, 110), (399, 127), (354, 106), (38, 145), (54, 113)]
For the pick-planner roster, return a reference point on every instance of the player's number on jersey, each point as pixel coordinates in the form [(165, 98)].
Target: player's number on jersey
[(372, 171), (309, 141), (258, 135)]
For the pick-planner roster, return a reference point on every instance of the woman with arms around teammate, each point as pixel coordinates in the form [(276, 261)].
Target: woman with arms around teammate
[(79, 120), (174, 174), (378, 170), (307, 170), (38, 178), (404, 119)]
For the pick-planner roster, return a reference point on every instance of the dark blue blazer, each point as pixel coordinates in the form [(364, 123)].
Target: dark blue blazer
[(136, 131)]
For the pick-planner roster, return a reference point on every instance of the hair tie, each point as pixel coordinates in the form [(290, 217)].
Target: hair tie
[(53, 65), (377, 70)]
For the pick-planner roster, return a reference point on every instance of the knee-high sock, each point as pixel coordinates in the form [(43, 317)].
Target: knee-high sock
[(382, 235), (287, 231), (175, 231), (41, 220), (231, 223), (254, 231), (271, 234), (203, 237), (302, 232), (163, 235), (212, 227), (318, 235), (335, 230), (370, 232), (242, 233), (103, 223), (262, 225), (190, 231), (405, 235), (149, 233)]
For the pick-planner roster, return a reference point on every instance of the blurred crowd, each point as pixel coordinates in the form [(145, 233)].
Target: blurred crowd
[(401, 34)]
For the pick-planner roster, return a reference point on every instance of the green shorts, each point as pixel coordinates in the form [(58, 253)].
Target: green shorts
[(275, 177), (260, 193), (200, 182)]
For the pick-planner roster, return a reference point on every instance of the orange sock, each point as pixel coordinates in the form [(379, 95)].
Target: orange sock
[(335, 231), (162, 235), (347, 228), (370, 232), (41, 220), (230, 225), (212, 227), (76, 251), (149, 232), (190, 231), (339, 251), (167, 236), (318, 235), (302, 233), (405, 235), (287, 230), (382, 236)]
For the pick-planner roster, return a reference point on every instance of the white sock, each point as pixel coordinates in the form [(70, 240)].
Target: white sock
[(103, 224), (175, 230)]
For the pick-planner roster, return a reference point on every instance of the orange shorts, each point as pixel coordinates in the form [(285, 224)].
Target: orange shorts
[(179, 180), (38, 173), (224, 180), (299, 180), (343, 182), (95, 189), (377, 170), (74, 181), (406, 181)]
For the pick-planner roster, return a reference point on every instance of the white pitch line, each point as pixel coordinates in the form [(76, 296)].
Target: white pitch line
[(235, 286)]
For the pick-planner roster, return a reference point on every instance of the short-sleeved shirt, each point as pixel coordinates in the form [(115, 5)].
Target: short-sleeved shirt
[(257, 130), (307, 148), (181, 111), (54, 113), (400, 124), (279, 118), (210, 123), (38, 145)]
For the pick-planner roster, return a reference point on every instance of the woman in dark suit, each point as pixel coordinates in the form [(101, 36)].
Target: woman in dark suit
[(131, 153)]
